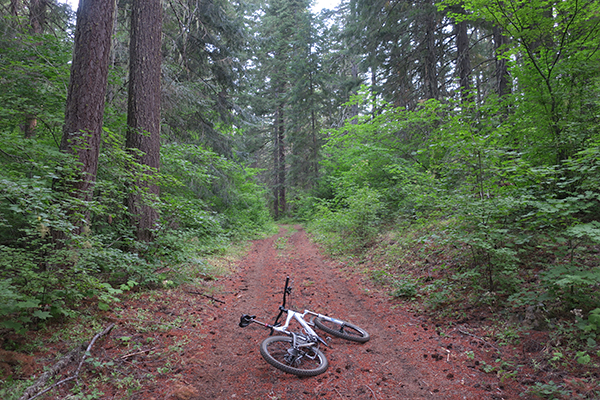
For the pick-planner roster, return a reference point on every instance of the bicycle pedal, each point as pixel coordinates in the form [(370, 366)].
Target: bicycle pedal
[(245, 320)]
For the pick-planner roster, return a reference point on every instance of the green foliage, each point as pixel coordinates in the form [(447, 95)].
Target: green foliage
[(34, 71), (207, 201), (349, 223), (549, 390), (405, 288), (374, 153), (593, 322), (210, 189), (507, 205), (575, 286)]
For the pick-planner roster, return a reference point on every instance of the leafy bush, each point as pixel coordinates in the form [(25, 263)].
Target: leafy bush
[(350, 224), (576, 287)]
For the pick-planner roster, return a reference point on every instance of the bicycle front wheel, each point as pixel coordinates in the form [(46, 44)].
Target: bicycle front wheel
[(306, 361), (342, 329)]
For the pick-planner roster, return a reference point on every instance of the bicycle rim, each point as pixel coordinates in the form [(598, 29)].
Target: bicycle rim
[(345, 330), (278, 351)]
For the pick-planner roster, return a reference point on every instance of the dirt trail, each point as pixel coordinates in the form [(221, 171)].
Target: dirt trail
[(404, 359)]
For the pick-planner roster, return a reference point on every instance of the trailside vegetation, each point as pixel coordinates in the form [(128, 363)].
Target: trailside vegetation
[(62, 242), (450, 148), (481, 192)]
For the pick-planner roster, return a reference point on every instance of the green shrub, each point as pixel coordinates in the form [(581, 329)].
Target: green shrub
[(352, 224)]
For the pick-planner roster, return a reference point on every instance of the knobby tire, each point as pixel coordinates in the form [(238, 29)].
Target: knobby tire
[(275, 350), (346, 330)]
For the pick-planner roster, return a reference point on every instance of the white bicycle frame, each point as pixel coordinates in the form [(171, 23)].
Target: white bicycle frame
[(305, 325), (300, 318), (311, 337)]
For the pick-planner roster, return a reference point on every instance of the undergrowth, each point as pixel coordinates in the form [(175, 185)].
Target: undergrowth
[(427, 268), (139, 330)]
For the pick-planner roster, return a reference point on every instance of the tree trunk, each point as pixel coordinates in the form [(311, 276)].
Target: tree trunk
[(15, 7), (279, 204), (354, 109), (37, 20), (502, 76), (85, 98), (143, 109), (276, 167), (463, 60), (430, 79), (37, 15), (281, 141)]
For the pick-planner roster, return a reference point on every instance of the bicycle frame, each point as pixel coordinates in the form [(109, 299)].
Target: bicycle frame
[(305, 325), (311, 337), (287, 354)]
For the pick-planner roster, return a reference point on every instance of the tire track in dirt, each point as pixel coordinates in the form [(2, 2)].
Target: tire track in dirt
[(228, 365)]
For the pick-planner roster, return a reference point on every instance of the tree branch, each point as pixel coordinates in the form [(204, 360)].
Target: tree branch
[(59, 366)]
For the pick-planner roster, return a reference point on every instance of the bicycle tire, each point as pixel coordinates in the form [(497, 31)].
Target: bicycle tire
[(345, 330), (278, 351)]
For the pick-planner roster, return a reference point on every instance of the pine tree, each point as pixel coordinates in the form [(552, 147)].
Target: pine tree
[(86, 95), (143, 111)]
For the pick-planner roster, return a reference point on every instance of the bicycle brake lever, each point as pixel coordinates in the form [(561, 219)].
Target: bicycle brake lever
[(246, 319)]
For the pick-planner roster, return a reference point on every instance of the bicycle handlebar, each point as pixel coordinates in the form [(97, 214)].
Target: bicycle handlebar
[(286, 290)]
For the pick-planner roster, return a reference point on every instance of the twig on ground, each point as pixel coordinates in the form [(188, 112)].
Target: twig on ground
[(479, 338), (59, 366), (136, 353), (205, 295), (375, 397)]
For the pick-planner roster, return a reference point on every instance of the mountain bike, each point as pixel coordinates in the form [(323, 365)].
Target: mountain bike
[(298, 352)]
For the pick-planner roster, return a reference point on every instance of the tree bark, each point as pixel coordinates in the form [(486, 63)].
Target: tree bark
[(502, 76), (15, 7), (37, 15), (463, 60), (37, 21), (85, 98), (430, 78), (279, 204), (281, 142), (143, 109)]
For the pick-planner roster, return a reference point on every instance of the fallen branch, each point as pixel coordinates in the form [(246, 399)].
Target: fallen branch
[(477, 337), (136, 353), (59, 366), (56, 369), (205, 295)]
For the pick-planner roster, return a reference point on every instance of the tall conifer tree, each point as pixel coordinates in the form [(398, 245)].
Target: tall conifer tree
[(143, 110), (87, 88)]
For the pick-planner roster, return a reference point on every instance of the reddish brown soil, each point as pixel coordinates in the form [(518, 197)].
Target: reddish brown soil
[(183, 345)]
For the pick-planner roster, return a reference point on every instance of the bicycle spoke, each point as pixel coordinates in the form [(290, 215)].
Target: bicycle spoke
[(304, 361), (286, 354)]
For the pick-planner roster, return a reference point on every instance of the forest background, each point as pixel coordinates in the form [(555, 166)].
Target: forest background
[(464, 133)]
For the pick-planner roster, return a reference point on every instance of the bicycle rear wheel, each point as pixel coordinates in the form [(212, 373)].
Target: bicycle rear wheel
[(306, 361), (342, 329)]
